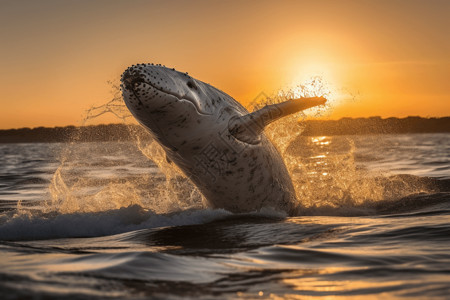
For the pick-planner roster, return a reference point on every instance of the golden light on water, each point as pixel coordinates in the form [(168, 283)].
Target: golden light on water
[(314, 285), (321, 140)]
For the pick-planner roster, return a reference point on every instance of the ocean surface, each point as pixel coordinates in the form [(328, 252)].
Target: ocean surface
[(103, 221)]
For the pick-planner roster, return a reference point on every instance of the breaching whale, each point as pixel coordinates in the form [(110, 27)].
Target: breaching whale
[(213, 139)]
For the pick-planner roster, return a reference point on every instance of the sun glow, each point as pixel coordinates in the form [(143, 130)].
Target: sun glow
[(314, 72), (315, 86)]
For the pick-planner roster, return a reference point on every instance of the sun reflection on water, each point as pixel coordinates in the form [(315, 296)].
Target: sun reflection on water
[(322, 140)]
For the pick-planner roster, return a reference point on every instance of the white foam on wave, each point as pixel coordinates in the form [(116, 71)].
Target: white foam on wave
[(52, 226)]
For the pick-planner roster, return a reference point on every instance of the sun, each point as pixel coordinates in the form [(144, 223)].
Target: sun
[(317, 78), (315, 86)]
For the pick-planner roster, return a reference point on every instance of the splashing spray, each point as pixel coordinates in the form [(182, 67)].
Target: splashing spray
[(73, 188), (323, 170)]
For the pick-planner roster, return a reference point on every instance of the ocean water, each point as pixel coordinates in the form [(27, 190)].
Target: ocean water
[(103, 221)]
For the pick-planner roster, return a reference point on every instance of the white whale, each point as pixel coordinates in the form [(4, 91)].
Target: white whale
[(213, 139)]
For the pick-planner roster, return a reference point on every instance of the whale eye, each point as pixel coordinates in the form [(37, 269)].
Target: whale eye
[(191, 84)]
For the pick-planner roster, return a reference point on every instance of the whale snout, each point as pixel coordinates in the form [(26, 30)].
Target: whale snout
[(131, 77), (155, 77), (149, 88)]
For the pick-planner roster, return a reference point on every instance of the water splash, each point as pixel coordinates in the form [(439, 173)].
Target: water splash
[(176, 191), (74, 187), (325, 175), (323, 169)]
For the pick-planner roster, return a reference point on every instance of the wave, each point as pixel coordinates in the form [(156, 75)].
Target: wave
[(411, 205), (43, 226), (54, 225)]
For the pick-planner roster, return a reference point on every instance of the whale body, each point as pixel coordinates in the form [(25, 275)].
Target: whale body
[(213, 139)]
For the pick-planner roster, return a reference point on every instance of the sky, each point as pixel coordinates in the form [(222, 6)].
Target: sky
[(388, 58)]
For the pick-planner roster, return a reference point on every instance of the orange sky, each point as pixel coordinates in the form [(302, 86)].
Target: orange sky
[(57, 56)]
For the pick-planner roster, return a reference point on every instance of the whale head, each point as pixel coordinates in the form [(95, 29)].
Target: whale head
[(174, 107), (165, 100)]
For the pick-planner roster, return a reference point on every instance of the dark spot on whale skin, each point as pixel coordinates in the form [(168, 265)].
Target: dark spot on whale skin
[(251, 163), (233, 162), (229, 172), (261, 179), (158, 111), (239, 176)]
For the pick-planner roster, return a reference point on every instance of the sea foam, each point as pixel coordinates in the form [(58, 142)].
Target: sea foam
[(126, 219)]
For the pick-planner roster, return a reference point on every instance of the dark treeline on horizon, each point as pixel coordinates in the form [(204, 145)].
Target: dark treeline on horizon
[(92, 133), (376, 125), (122, 132)]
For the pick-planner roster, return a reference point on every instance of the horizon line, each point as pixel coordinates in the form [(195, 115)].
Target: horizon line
[(305, 119)]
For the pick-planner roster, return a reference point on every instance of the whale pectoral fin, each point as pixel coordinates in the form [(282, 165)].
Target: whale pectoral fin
[(248, 128)]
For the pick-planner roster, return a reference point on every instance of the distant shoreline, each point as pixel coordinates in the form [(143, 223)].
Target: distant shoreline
[(122, 132)]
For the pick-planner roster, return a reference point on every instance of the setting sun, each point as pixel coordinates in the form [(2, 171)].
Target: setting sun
[(380, 58)]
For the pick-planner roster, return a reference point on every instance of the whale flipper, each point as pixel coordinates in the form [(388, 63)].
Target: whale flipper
[(248, 128)]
